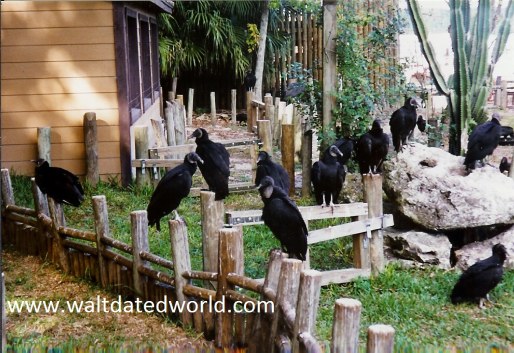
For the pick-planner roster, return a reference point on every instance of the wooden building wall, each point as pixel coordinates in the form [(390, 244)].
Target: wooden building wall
[(58, 63)]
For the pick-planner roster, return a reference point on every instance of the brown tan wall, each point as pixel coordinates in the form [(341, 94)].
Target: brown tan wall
[(57, 64)]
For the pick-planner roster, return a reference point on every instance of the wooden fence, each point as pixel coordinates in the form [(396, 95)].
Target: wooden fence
[(133, 272)]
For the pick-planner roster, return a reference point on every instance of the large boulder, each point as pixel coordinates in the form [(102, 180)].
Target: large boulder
[(431, 188), (418, 248), (471, 253)]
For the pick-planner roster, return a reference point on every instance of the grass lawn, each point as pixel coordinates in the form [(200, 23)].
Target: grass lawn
[(414, 301)]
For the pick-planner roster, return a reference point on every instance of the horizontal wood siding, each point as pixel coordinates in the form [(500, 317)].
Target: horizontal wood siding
[(58, 63)]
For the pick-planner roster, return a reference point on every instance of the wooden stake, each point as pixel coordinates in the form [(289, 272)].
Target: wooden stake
[(7, 191), (44, 144), (372, 186), (264, 131), (169, 114), (59, 251), (306, 157), (101, 231), (329, 64), (181, 263), (345, 329), (91, 144), (230, 261), (250, 118), (288, 153), (233, 105), (143, 176), (139, 231), (380, 339), (212, 220), (190, 106), (213, 109)]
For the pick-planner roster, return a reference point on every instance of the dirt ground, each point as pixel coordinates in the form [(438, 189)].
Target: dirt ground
[(37, 280)]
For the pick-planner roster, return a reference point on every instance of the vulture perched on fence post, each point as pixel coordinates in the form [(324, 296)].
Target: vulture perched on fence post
[(216, 163), (483, 141), (372, 148), (172, 188), (327, 176), (58, 183), (403, 121)]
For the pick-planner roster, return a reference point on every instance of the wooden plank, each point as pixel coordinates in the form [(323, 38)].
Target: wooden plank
[(70, 85), (343, 276), (351, 228), (56, 36), (191, 147), (9, 6), (81, 101), (106, 117), (57, 19), (62, 69)]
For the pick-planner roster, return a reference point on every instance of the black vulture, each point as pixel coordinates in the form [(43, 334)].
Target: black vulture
[(216, 163), (249, 81), (504, 165), (403, 121), (58, 183), (421, 123), (284, 219), (483, 140), (479, 279), (327, 176), (372, 148), (172, 188), (266, 167), (346, 146)]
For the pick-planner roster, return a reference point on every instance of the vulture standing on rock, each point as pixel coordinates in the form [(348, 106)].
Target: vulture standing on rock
[(266, 167), (421, 123), (172, 188), (403, 121), (59, 184), (479, 279), (216, 164), (483, 141), (327, 176), (284, 219), (372, 149), (504, 165)]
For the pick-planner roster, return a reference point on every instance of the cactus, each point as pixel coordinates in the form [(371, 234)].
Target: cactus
[(473, 66)]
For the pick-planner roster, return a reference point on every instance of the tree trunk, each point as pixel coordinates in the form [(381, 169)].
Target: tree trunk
[(259, 66)]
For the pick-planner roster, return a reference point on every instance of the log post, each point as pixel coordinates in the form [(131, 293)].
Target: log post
[(504, 95), (372, 186), (213, 109), (264, 132), (268, 104), (169, 115), (287, 294), (307, 308), (250, 118), (179, 99), (212, 220), (44, 143), (179, 122), (143, 176), (41, 207), (361, 253), (7, 191), (288, 153), (345, 329), (380, 339), (139, 231), (306, 156), (59, 252), (233, 105), (101, 231), (230, 261), (181, 264), (329, 64), (190, 98), (91, 144)]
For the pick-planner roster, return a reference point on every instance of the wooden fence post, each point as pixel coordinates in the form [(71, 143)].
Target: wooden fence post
[(169, 112), (213, 213), (345, 329), (504, 95), (213, 108), (233, 105), (372, 186), (264, 132), (329, 64), (307, 307), (380, 339), (181, 264), (41, 207), (60, 254), (91, 144), (288, 153), (230, 261), (143, 176), (306, 156), (7, 191), (287, 295), (190, 98), (102, 231), (44, 143), (250, 118), (139, 231), (179, 99), (268, 104)]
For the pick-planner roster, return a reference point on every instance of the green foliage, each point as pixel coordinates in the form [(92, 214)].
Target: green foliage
[(252, 37)]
